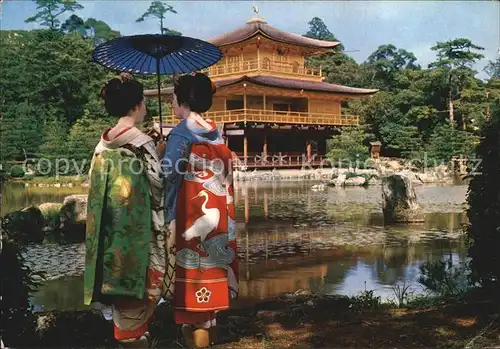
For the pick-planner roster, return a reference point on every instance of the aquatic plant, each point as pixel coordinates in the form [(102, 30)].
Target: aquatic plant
[(365, 300), (444, 278), (402, 293)]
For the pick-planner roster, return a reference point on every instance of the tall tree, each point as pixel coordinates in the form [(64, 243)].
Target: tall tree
[(455, 58), (20, 132), (493, 69), (84, 136), (100, 31), (50, 10), (336, 66), (388, 61), (74, 24), (319, 31), (157, 9)]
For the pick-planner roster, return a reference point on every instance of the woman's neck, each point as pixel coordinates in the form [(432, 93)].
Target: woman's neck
[(192, 113), (126, 121)]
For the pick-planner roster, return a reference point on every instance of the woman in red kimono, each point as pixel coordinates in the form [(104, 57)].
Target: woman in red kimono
[(199, 209)]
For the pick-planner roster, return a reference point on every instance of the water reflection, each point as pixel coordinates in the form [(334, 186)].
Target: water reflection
[(16, 196), (291, 238)]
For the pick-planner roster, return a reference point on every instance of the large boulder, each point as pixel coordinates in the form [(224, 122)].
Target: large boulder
[(51, 214), (399, 200), (339, 181), (412, 176), (73, 217), (355, 181), (25, 226)]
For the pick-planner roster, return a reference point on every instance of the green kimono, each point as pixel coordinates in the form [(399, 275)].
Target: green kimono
[(119, 227)]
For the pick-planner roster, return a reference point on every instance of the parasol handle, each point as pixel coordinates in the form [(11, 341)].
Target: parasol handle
[(159, 95)]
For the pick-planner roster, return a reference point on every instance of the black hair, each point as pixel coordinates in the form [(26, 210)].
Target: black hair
[(195, 91), (121, 95)]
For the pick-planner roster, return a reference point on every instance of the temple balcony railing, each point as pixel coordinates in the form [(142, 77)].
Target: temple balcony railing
[(272, 116), (264, 66), (280, 159)]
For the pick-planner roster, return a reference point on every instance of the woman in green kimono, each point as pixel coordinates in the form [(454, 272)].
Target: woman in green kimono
[(125, 242)]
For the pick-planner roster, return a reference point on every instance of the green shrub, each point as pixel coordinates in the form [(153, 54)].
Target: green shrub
[(423, 301), (447, 142), (349, 149), (25, 226), (365, 300), (366, 176), (17, 171)]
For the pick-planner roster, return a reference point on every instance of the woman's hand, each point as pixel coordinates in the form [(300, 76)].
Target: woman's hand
[(160, 148), (125, 77)]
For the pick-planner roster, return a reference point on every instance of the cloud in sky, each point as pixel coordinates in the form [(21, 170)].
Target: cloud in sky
[(360, 25)]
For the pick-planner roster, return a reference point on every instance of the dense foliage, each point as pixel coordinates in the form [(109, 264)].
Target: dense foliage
[(484, 208), (50, 104), (434, 112), (348, 149)]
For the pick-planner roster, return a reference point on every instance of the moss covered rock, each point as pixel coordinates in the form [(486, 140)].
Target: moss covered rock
[(25, 226)]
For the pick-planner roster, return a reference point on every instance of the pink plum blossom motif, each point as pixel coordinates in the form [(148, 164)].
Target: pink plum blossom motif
[(203, 295)]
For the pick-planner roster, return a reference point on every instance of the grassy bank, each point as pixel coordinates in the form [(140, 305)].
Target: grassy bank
[(75, 180), (327, 322)]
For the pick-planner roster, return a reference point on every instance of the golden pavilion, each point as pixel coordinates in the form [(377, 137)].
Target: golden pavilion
[(273, 109)]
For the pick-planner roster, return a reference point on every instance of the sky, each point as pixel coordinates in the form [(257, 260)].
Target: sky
[(361, 26)]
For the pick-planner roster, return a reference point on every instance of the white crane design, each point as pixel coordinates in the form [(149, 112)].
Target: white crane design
[(206, 223)]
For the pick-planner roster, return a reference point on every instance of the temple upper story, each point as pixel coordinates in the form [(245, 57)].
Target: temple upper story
[(257, 48), (263, 78)]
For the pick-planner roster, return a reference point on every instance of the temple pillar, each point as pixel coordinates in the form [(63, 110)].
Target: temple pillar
[(264, 149), (245, 149), (309, 150)]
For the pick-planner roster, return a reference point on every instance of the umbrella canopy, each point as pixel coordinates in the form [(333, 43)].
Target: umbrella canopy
[(156, 54)]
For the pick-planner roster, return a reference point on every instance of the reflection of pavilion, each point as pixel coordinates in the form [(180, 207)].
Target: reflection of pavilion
[(262, 232)]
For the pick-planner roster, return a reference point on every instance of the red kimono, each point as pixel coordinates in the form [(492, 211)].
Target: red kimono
[(206, 273)]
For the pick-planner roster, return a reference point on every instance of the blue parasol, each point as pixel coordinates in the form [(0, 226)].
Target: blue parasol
[(156, 54)]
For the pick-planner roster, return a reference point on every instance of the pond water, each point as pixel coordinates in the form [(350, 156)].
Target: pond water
[(294, 239)]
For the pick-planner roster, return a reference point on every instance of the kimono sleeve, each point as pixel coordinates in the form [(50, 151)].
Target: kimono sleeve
[(173, 167)]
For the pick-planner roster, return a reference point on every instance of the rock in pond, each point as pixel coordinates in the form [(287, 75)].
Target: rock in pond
[(399, 200), (73, 218), (51, 216), (339, 181), (355, 181), (25, 226)]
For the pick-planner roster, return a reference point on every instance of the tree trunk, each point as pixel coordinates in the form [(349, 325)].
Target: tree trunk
[(450, 108)]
